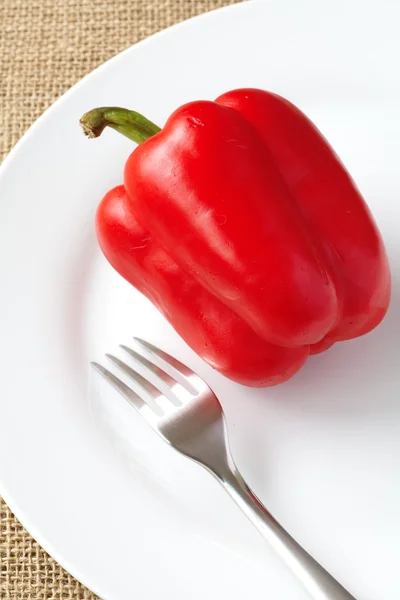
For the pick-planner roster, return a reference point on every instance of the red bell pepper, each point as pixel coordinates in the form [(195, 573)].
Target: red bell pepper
[(242, 226)]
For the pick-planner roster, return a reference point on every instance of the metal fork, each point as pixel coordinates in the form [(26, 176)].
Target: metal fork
[(185, 412)]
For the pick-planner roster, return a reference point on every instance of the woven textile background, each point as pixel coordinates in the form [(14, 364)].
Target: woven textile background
[(45, 47)]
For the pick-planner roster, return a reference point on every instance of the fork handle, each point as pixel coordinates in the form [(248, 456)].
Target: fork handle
[(316, 580)]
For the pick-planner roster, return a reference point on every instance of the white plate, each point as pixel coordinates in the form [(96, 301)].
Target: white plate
[(121, 511)]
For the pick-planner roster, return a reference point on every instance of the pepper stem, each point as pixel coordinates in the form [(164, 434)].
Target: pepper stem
[(128, 122)]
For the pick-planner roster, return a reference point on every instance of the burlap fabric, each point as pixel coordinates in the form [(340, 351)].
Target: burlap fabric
[(45, 47)]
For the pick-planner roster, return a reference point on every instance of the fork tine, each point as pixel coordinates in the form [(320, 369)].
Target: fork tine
[(146, 386), (180, 367), (165, 377), (173, 388), (181, 371), (135, 400)]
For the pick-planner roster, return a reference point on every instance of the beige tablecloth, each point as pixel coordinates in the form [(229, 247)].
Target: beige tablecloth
[(45, 47)]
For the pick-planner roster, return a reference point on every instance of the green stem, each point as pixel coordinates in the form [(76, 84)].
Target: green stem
[(128, 122)]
